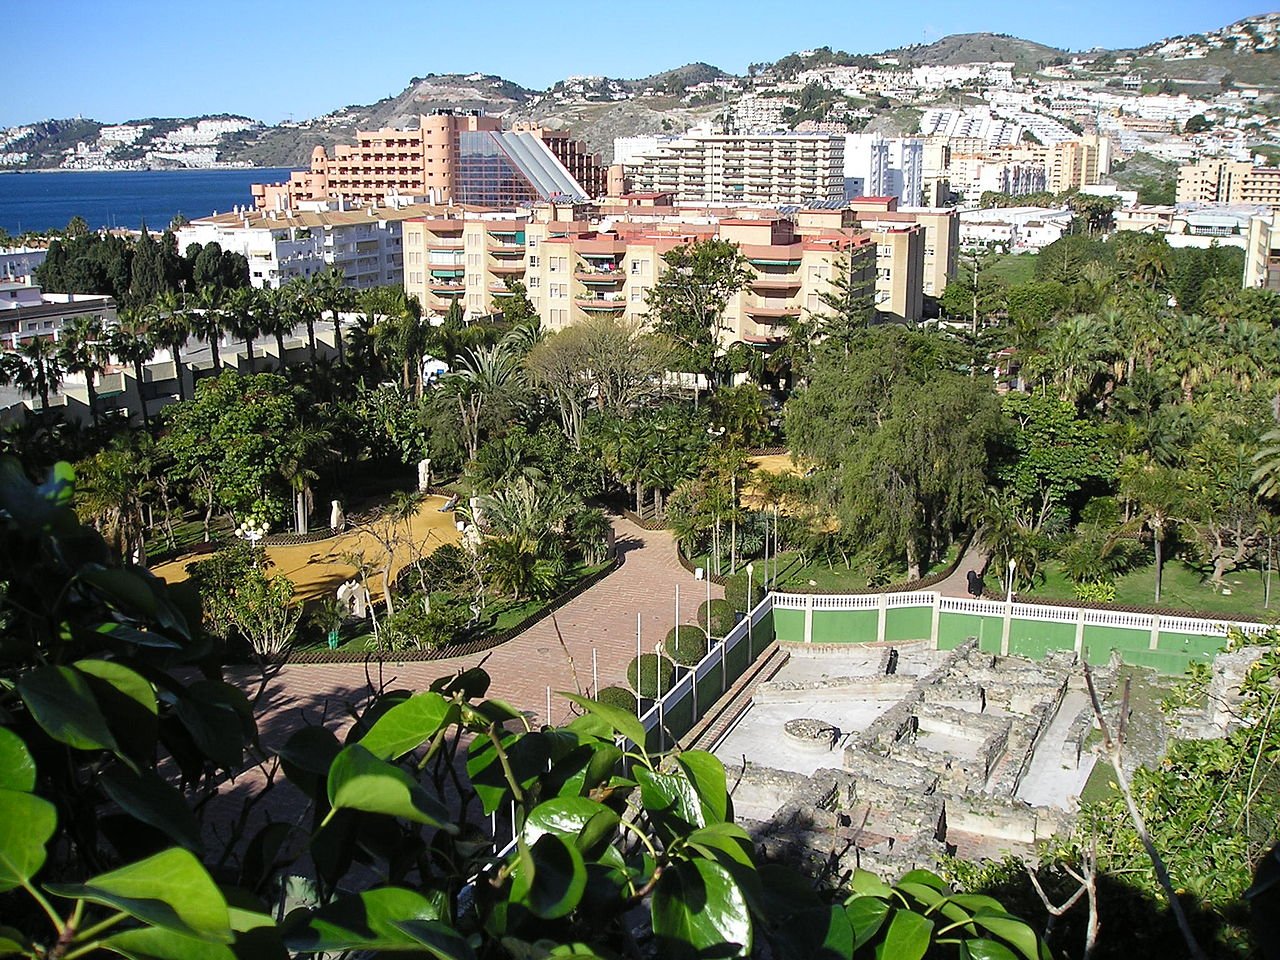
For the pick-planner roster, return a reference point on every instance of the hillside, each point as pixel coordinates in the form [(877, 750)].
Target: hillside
[(1025, 55)]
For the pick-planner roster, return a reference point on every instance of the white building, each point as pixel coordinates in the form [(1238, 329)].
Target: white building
[(1014, 229), (27, 313), (886, 166), (795, 168), (18, 262), (365, 243)]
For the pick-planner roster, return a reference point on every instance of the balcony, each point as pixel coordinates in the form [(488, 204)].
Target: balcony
[(445, 243), (602, 303), (508, 267), (599, 276), (499, 248), (771, 310), (776, 283)]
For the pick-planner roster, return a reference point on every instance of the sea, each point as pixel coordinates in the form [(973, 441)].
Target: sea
[(124, 198)]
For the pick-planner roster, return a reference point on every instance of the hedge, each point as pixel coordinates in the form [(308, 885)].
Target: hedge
[(693, 644), (643, 675)]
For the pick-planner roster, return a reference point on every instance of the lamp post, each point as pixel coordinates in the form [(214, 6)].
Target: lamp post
[(251, 530), (1013, 565)]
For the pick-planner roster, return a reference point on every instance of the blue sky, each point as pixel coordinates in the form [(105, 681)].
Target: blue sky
[(121, 59)]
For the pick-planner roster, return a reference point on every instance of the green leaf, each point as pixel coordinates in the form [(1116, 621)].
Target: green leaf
[(926, 877), (170, 889), (135, 595), (867, 884), (470, 683), (920, 892), (617, 718), (908, 937), (365, 921), (1011, 929), (14, 941), (699, 909), (146, 797), (440, 939), (706, 773), (17, 769), (306, 757), (60, 700), (26, 824), (408, 725), (568, 818), (527, 753), (670, 795), (360, 781), (866, 915), (985, 950), (154, 943), (549, 877), (128, 702), (723, 838)]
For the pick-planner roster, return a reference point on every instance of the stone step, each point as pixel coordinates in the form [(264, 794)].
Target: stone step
[(720, 719)]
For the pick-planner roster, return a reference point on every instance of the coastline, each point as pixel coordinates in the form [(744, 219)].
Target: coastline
[(229, 166)]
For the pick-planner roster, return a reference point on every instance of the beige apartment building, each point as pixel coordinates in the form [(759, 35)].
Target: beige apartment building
[(575, 267), (1262, 255), (1228, 181), (449, 158)]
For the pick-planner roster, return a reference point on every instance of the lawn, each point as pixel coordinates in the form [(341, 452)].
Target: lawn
[(797, 576), (1145, 737), (1185, 587), (1014, 269)]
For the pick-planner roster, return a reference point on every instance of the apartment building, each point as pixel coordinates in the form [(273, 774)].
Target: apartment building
[(797, 169), (1069, 164), (576, 265), (449, 158), (365, 243), (886, 166), (1229, 181), (939, 244), (1262, 253), (27, 313)]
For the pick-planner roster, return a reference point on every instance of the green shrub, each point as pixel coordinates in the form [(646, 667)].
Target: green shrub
[(644, 672), (735, 591), (619, 697), (1096, 591), (723, 616), (693, 644), (411, 627), (446, 566)]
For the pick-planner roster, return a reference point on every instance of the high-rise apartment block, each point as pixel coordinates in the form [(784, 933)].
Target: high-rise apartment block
[(450, 158), (886, 166), (1229, 181), (791, 169)]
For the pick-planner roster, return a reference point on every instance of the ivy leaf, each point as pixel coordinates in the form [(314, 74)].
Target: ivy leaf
[(583, 821), (908, 937), (26, 824), (17, 769), (620, 720), (360, 781), (365, 921), (60, 700), (698, 910), (706, 773), (408, 725), (549, 877), (146, 797), (155, 943), (170, 889)]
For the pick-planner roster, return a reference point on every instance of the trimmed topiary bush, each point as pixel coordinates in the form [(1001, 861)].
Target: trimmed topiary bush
[(692, 648), (644, 672), (619, 697), (723, 616), (735, 591)]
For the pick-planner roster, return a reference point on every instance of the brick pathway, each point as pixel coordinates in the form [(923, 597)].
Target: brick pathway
[(602, 619)]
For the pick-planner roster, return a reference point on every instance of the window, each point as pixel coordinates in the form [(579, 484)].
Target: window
[(473, 239), (533, 259), (475, 302), (884, 250), (884, 273), (558, 264), (637, 295), (533, 242), (535, 283), (639, 266), (473, 280), (559, 291)]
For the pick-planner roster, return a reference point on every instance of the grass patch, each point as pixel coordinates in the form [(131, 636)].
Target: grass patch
[(1014, 269), (1100, 785), (1184, 587)]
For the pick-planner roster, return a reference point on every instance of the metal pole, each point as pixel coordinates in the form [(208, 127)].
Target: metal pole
[(595, 674), (657, 679), (708, 606), (751, 654), (638, 655), (677, 623), (548, 706)]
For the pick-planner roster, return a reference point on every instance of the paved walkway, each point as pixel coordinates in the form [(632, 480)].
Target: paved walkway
[(602, 620), (975, 559)]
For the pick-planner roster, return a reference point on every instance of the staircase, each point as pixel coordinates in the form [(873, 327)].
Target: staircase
[(729, 709)]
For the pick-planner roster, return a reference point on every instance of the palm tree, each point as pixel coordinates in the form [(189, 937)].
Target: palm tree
[(36, 368), (131, 342), (1156, 493), (302, 447), (84, 352), (275, 320), (172, 325), (242, 312), (483, 375), (332, 294), (1076, 353), (303, 305), (112, 488), (209, 321)]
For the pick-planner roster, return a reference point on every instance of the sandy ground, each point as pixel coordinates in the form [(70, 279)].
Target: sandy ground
[(318, 569)]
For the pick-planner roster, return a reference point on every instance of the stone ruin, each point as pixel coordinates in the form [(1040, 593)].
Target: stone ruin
[(887, 758)]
